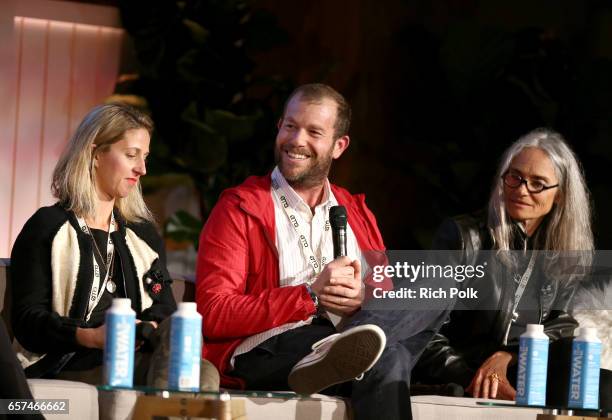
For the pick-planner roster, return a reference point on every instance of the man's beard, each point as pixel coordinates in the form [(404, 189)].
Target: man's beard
[(312, 175)]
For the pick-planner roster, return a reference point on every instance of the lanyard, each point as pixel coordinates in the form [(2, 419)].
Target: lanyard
[(518, 294), (298, 226), (97, 289)]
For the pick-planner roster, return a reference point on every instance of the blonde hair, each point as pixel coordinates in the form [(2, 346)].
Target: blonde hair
[(569, 221), (73, 181)]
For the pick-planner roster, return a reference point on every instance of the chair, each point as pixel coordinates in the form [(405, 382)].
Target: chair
[(83, 398), (5, 293)]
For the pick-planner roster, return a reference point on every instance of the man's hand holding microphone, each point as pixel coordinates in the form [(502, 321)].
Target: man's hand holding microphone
[(338, 287)]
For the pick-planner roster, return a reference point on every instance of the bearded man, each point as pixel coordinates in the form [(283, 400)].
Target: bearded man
[(279, 312)]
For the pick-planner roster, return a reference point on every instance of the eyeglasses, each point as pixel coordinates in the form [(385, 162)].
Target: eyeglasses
[(533, 186)]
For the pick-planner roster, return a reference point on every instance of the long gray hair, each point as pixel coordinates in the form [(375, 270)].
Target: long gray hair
[(569, 221)]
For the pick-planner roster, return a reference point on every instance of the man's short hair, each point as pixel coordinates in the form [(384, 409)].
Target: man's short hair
[(316, 92)]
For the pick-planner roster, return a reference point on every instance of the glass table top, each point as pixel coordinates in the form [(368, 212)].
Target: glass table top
[(221, 394), (549, 409)]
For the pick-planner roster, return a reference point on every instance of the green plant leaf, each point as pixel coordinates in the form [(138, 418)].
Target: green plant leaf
[(205, 150), (236, 128), (183, 227), (199, 34)]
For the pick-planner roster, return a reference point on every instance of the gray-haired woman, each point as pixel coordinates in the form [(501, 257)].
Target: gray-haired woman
[(539, 201)]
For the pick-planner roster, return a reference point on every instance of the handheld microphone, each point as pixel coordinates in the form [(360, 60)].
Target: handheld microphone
[(337, 220)]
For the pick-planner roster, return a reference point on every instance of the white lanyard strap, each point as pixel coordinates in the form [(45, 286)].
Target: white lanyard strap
[(524, 280), (518, 294), (298, 225), (97, 288)]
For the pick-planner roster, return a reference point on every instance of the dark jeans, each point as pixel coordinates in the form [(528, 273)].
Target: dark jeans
[(384, 392)]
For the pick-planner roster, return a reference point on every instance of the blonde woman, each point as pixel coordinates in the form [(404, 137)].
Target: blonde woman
[(96, 243)]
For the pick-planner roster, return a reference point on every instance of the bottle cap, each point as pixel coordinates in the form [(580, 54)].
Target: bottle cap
[(535, 328), (187, 307), (122, 303)]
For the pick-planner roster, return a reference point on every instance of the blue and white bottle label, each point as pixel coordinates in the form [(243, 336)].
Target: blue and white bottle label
[(584, 375), (185, 354), (532, 371), (119, 350)]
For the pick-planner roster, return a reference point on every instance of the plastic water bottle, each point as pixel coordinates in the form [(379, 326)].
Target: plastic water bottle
[(532, 366), (119, 348), (185, 348), (584, 373)]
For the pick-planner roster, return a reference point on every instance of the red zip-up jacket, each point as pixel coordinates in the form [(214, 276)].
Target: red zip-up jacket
[(237, 287)]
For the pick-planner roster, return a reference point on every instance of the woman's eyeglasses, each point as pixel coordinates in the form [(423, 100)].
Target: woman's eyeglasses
[(533, 186)]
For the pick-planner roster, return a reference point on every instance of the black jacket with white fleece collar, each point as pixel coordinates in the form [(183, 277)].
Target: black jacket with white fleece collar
[(52, 277)]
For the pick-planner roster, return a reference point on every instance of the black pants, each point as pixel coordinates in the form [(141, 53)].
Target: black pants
[(267, 366), (384, 392), (87, 365)]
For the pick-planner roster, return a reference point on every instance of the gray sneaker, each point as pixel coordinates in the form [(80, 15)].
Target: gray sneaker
[(338, 358)]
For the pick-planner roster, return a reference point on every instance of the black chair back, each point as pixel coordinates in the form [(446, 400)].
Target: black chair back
[(5, 294)]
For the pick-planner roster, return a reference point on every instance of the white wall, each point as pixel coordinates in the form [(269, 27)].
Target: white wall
[(57, 60)]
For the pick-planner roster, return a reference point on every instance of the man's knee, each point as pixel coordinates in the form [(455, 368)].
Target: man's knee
[(394, 364)]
